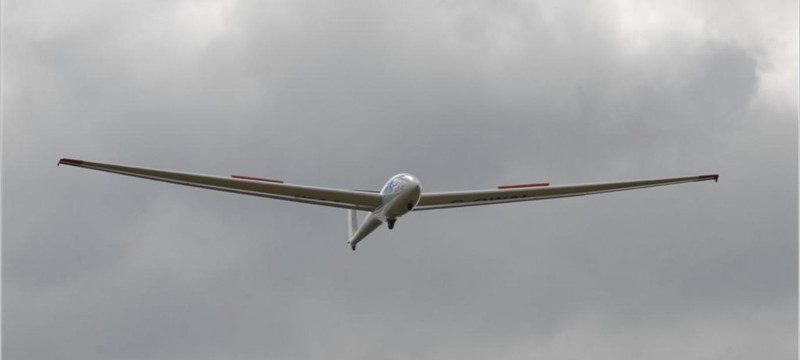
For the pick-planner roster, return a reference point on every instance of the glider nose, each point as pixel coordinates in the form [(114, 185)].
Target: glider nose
[(415, 194), (413, 179), (414, 182)]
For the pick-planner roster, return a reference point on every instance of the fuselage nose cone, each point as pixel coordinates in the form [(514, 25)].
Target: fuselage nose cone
[(412, 179)]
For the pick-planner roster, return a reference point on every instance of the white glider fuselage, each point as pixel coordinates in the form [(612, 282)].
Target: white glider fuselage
[(399, 196)]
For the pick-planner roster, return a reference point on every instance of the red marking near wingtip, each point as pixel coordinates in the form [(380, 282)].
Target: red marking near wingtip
[(256, 179), (715, 177), (69, 161), (522, 186)]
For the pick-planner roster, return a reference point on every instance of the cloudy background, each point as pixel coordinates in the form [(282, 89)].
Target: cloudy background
[(463, 94)]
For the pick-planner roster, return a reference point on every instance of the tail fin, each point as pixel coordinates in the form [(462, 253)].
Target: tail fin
[(352, 222), (358, 233)]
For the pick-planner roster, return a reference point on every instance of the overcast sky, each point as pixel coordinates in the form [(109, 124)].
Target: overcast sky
[(463, 94)]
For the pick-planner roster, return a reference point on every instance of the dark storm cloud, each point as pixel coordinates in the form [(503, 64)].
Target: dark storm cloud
[(464, 95)]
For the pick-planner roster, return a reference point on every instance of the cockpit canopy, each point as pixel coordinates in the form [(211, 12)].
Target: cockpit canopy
[(397, 183)]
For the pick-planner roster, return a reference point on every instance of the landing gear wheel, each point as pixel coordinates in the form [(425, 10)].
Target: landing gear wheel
[(390, 222)]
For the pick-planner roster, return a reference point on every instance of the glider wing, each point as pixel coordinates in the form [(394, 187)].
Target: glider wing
[(348, 199), (528, 192)]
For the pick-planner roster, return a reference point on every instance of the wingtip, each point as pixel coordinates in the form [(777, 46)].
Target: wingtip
[(68, 161), (714, 177)]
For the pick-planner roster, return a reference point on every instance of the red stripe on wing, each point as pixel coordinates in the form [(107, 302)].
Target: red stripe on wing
[(522, 186), (256, 179)]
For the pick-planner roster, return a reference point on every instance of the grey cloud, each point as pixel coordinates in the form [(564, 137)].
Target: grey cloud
[(462, 94)]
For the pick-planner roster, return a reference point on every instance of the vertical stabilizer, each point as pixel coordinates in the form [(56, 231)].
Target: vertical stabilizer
[(357, 233), (352, 222)]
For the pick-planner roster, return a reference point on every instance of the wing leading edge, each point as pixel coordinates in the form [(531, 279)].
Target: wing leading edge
[(347, 199), (444, 200)]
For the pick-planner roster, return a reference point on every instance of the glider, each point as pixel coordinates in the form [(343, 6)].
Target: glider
[(400, 195)]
